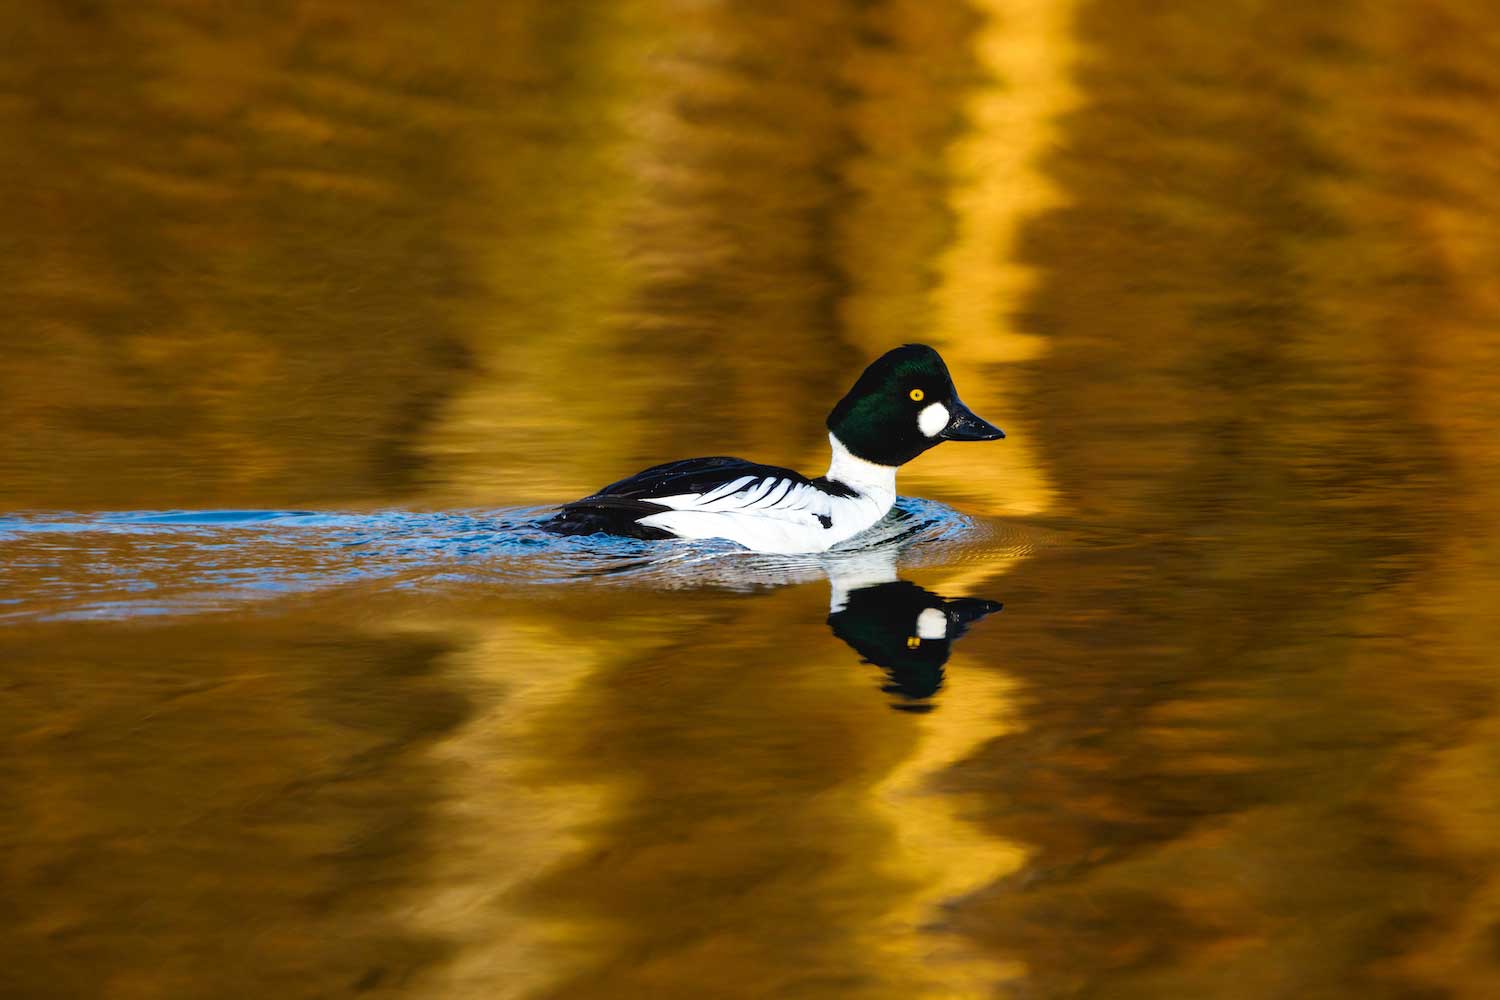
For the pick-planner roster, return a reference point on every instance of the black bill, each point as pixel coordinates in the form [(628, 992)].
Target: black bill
[(965, 425)]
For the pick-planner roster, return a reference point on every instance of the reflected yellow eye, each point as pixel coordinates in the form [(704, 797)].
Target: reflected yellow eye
[(916, 395)]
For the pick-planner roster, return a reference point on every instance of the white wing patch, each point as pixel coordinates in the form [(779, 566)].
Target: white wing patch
[(717, 493), (767, 514), (770, 495)]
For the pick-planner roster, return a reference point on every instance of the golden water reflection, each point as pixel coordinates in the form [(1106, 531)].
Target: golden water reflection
[(1226, 274)]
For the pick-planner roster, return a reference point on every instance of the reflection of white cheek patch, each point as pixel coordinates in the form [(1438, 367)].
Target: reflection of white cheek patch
[(932, 419), (932, 623)]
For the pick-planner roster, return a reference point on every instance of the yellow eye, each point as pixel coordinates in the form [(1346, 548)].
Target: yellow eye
[(916, 395)]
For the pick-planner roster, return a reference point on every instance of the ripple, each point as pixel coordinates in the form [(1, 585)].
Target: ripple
[(149, 563)]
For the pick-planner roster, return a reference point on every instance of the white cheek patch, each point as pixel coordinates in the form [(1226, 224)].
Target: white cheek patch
[(932, 623), (932, 419)]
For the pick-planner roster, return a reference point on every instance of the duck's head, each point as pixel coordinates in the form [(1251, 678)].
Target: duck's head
[(903, 404)]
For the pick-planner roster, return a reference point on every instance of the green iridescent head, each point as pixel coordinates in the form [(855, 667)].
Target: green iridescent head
[(903, 404)]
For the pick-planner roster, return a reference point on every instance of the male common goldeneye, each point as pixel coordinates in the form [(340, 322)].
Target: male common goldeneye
[(903, 404)]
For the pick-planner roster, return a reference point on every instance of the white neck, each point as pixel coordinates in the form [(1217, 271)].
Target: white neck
[(875, 481)]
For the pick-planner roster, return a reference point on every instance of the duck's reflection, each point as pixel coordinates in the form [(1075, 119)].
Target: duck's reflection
[(902, 628)]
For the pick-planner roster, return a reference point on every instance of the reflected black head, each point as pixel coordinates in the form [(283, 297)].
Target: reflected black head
[(881, 419), (881, 624)]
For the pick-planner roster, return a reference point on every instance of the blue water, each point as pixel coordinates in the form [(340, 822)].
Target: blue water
[(124, 564)]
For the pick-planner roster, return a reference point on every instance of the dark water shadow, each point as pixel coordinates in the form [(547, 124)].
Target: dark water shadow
[(908, 632)]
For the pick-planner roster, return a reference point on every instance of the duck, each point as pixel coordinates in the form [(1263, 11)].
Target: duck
[(904, 403)]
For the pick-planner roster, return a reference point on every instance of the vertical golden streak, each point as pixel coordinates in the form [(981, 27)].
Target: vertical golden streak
[(497, 828), (1026, 49), (944, 855)]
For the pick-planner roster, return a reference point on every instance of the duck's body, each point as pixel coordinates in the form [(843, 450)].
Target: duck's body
[(762, 507), (902, 405)]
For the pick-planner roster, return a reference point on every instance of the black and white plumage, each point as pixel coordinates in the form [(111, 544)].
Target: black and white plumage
[(903, 404), (763, 507)]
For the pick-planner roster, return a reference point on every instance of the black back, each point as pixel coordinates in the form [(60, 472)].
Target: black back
[(690, 475)]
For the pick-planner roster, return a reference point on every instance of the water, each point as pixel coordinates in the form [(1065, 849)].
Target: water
[(123, 564), (313, 312)]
